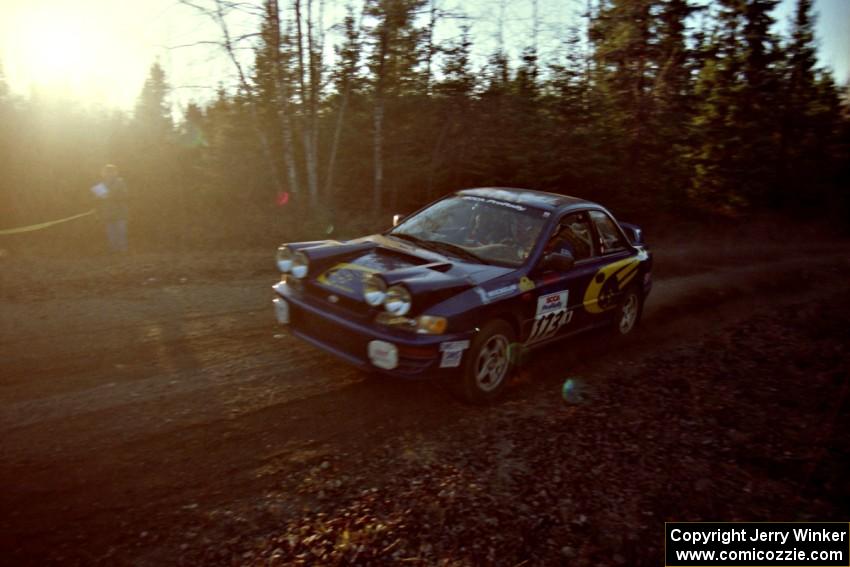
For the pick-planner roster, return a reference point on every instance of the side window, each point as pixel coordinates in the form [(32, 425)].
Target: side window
[(573, 235), (610, 239)]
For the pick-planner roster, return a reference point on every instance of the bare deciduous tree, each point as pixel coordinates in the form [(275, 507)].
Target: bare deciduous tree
[(218, 14)]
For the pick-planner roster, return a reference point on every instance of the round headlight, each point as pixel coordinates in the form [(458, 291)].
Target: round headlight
[(374, 290), (398, 300), (300, 265), (284, 258)]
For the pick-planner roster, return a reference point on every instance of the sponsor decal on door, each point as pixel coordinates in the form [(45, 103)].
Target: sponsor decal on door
[(551, 315)]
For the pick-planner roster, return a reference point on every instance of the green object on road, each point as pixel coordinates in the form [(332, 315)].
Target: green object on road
[(571, 391)]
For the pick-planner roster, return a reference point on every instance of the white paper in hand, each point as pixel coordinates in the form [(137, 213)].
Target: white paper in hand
[(100, 191)]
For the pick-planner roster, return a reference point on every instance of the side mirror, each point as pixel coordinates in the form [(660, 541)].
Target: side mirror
[(558, 261), (397, 218), (634, 233)]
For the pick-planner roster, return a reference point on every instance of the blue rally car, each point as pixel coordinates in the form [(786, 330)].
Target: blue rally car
[(460, 288)]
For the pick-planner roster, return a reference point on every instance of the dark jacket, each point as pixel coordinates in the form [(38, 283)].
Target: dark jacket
[(114, 206)]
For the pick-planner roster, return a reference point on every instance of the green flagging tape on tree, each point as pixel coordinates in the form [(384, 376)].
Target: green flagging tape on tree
[(42, 225)]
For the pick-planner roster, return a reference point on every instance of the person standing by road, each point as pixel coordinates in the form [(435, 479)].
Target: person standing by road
[(112, 206)]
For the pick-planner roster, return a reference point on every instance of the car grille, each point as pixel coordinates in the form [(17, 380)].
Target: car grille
[(344, 305), (350, 342), (326, 332)]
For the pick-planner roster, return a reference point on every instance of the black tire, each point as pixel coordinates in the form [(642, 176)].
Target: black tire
[(629, 311), (488, 366)]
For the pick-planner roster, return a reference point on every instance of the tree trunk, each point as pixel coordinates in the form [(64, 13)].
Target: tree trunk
[(243, 81), (378, 118), (283, 111), (307, 132), (429, 54), (315, 49), (379, 163), (329, 177), (436, 154), (313, 110), (350, 70)]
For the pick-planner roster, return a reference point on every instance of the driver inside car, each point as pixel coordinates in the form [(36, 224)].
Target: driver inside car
[(572, 236), (559, 243), (510, 238)]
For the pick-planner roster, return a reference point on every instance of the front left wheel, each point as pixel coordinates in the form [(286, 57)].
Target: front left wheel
[(488, 366)]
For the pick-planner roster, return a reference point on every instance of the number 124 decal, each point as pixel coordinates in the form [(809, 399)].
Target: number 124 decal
[(551, 315)]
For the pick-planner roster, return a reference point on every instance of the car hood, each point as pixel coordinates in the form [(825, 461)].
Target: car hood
[(342, 268)]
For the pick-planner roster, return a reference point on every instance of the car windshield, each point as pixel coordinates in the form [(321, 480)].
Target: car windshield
[(476, 228)]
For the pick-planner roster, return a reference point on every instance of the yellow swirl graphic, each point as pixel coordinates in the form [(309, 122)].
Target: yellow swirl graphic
[(607, 283)]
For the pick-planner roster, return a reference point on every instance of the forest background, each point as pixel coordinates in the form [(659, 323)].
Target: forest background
[(659, 109)]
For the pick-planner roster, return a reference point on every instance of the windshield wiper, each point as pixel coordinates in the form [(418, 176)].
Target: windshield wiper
[(456, 250)]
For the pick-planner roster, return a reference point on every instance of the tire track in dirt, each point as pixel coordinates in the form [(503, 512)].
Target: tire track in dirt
[(246, 359)]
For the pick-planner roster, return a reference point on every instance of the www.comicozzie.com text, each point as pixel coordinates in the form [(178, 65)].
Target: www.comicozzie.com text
[(727, 536)]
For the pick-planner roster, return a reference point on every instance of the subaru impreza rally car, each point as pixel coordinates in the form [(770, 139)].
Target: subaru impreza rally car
[(463, 286)]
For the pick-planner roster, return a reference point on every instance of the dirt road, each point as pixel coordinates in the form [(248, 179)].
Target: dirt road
[(152, 413)]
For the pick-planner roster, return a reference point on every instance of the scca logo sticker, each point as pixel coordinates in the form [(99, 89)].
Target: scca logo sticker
[(551, 315), (601, 294)]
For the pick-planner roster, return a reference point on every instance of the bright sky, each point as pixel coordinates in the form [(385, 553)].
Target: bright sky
[(98, 52)]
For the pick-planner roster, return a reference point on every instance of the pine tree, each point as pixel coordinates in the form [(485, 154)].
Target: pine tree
[(673, 99), (526, 148), (273, 84), (758, 117), (394, 63), (309, 74), (626, 63), (453, 109), (153, 110), (156, 197), (492, 163), (737, 122), (576, 154), (809, 118), (347, 81), (715, 143)]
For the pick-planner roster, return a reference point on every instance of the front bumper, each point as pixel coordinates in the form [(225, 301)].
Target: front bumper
[(366, 344)]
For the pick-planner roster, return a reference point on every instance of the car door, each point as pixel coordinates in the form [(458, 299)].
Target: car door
[(617, 266), (553, 307)]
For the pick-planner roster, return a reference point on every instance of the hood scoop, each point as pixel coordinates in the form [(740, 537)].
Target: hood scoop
[(427, 279), (334, 251), (415, 272)]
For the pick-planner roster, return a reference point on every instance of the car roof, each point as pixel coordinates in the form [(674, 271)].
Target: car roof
[(529, 197)]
